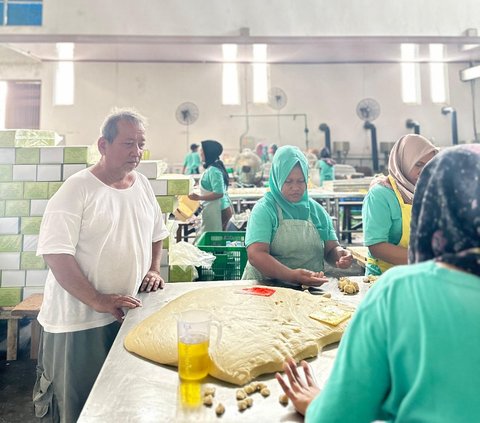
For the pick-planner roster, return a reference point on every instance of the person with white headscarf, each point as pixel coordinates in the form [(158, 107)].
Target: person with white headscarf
[(387, 207)]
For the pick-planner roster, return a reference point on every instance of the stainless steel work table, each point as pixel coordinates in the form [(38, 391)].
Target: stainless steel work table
[(132, 389)]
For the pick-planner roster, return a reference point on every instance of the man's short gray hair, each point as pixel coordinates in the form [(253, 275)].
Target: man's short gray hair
[(109, 127)]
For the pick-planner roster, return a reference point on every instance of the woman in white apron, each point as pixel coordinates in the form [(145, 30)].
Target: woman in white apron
[(213, 184), (288, 234), (388, 205)]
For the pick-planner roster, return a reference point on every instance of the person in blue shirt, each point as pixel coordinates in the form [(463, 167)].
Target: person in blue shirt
[(326, 166), (387, 206), (289, 235), (191, 164), (411, 352), (216, 204)]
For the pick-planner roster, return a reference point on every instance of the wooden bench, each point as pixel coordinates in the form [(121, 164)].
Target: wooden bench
[(29, 307)]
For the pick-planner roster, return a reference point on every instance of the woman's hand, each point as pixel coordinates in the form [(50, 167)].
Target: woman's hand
[(194, 196), (344, 258), (307, 277), (301, 391)]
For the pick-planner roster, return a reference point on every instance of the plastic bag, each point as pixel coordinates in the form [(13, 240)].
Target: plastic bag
[(184, 254)]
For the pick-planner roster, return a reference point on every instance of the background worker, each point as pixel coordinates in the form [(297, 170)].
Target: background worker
[(216, 204), (101, 236), (387, 206), (326, 165), (417, 320), (191, 164), (288, 234)]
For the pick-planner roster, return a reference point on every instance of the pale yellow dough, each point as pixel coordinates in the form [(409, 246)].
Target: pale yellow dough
[(258, 332)]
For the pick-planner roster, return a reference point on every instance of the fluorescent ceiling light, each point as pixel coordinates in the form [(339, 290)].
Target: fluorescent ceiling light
[(438, 71), (470, 73), (230, 86), (260, 74), (410, 74)]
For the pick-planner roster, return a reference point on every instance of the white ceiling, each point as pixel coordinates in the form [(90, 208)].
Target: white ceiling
[(281, 50)]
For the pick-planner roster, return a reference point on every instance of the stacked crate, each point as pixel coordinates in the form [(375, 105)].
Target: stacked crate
[(32, 167), (167, 188)]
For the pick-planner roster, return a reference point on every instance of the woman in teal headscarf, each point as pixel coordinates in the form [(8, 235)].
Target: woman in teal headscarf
[(288, 234)]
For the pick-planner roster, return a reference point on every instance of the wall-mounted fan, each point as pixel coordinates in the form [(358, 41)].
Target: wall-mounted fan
[(277, 99), (186, 114), (368, 109)]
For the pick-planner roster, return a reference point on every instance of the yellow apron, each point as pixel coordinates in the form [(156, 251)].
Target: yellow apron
[(406, 210)]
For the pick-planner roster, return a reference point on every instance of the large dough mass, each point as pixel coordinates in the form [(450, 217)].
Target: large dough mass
[(258, 332)]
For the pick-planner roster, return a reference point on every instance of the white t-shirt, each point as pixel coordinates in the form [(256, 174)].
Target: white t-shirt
[(109, 232)]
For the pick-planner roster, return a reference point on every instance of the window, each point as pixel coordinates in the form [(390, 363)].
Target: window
[(21, 12), (20, 104)]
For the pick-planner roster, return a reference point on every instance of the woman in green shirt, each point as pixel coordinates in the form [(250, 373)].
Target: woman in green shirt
[(191, 164), (216, 204), (326, 166), (411, 352), (288, 234)]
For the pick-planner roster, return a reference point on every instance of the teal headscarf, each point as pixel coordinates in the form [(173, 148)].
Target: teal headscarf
[(283, 162)]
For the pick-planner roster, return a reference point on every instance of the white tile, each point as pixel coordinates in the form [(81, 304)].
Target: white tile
[(7, 155), (50, 155), (29, 290), (37, 207), (30, 242), (36, 277), (51, 173), (11, 278), (70, 169), (159, 186), (24, 173), (10, 261), (9, 225)]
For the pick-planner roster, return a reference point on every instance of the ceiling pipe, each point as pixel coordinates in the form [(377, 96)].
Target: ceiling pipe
[(445, 111), (413, 124), (373, 134), (325, 128)]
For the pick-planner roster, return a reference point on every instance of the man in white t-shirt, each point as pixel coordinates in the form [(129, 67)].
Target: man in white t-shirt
[(101, 236)]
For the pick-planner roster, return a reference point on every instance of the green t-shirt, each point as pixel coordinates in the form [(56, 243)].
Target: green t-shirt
[(382, 217), (327, 173), (212, 180), (410, 353), (263, 223), (192, 162)]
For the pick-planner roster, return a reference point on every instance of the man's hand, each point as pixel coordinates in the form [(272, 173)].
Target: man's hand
[(114, 303), (152, 281), (307, 277), (301, 391)]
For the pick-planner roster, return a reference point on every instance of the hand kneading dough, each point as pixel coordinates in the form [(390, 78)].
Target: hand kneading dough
[(258, 332)]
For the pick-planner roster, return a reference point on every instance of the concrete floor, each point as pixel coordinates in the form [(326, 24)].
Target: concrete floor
[(18, 377)]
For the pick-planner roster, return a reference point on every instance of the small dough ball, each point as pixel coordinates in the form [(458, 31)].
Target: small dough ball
[(327, 295), (208, 400), (209, 390), (220, 409), (242, 405), (241, 394), (249, 401), (249, 389), (265, 392), (283, 399)]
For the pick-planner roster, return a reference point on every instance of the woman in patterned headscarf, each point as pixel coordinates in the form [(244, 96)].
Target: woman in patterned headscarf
[(411, 351), (387, 206), (288, 234)]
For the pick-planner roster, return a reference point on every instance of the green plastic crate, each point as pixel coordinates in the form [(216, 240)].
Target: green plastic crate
[(230, 261)]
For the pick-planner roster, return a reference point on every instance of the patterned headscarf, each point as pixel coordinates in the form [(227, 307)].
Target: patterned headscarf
[(446, 210), (406, 152)]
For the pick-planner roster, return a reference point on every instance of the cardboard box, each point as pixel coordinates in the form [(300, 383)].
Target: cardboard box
[(6, 173), (10, 261), (53, 188), (69, 169), (159, 187), (177, 274), (13, 278), (37, 207), (30, 261), (178, 184), (2, 208), (10, 297), (152, 169), (24, 173), (35, 190), (9, 226), (185, 208), (27, 155), (28, 138), (167, 203), (30, 290), (30, 243), (11, 190), (30, 225), (77, 154), (16, 208)]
